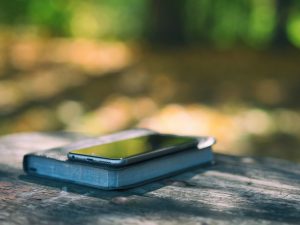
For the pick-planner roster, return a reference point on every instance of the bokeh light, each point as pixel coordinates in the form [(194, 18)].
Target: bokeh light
[(196, 67)]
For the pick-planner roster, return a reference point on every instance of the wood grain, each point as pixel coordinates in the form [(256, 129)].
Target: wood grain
[(236, 190)]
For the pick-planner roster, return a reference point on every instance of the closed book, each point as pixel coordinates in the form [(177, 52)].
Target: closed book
[(54, 163)]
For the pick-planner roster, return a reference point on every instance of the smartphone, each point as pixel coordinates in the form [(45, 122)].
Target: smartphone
[(132, 150)]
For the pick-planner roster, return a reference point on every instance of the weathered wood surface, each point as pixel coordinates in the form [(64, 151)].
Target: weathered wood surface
[(237, 190)]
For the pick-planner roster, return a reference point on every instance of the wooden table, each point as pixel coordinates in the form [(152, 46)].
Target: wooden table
[(237, 190)]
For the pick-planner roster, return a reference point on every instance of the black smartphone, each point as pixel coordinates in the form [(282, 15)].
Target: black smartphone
[(133, 150)]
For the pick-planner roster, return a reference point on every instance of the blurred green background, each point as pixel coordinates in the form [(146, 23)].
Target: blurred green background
[(224, 68)]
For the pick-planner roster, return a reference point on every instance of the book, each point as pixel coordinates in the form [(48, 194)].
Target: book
[(53, 163)]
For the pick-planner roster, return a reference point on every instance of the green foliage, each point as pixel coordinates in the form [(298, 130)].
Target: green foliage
[(221, 23), (54, 16), (262, 21), (293, 25), (230, 22), (13, 12)]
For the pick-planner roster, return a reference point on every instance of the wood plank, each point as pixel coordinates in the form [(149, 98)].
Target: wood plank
[(237, 190)]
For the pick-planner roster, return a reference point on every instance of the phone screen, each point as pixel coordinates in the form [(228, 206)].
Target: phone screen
[(134, 146)]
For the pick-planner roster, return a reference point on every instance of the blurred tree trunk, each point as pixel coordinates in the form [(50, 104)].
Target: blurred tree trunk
[(166, 22), (280, 34)]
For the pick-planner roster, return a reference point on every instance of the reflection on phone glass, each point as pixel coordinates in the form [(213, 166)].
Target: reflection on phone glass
[(134, 146)]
